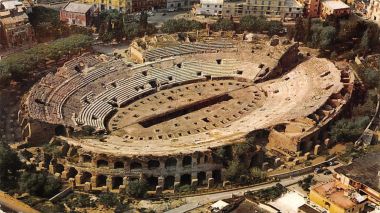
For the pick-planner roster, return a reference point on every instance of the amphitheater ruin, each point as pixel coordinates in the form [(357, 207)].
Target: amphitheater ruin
[(164, 118)]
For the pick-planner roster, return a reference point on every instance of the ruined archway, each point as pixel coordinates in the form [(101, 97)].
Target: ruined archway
[(153, 164), (169, 182), (72, 172), (118, 165), (152, 182), (186, 161), (136, 166), (170, 163), (117, 182), (101, 180), (59, 168), (86, 177), (217, 175), (201, 176), (185, 179), (101, 163)]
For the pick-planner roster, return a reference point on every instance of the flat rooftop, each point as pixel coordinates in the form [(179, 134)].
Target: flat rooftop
[(364, 170), (334, 191)]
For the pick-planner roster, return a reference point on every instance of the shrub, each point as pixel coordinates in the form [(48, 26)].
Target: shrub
[(40, 184), (181, 25), (108, 200), (9, 166), (348, 129), (137, 188)]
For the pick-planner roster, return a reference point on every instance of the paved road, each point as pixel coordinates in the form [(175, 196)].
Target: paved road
[(200, 200)]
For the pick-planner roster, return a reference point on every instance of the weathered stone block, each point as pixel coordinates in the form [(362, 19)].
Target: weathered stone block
[(87, 186), (194, 183), (210, 182), (122, 189), (176, 186), (277, 162), (296, 161), (307, 155), (64, 175), (317, 149), (72, 182), (159, 190), (226, 184), (265, 166)]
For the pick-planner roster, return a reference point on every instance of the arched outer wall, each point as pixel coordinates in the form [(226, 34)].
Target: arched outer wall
[(73, 157)]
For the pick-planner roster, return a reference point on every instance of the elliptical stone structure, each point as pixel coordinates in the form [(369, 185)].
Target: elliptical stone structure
[(164, 120)]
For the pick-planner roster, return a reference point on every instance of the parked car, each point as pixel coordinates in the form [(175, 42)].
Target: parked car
[(327, 172), (318, 170), (172, 10)]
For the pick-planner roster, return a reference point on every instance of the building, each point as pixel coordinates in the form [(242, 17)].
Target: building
[(337, 198), (141, 5), (311, 8), (77, 14), (363, 174), (373, 11), (101, 5), (336, 8), (181, 4), (276, 8), (210, 7), (15, 29)]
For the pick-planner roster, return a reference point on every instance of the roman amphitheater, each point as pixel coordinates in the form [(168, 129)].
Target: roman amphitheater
[(163, 117)]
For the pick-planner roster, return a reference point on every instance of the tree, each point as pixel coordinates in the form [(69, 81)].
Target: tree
[(137, 188), (257, 174), (327, 37), (234, 170), (108, 200), (180, 25), (299, 30), (9, 166), (224, 24), (274, 27), (39, 183), (348, 129)]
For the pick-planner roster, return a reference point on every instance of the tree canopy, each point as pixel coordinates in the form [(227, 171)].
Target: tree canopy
[(9, 166), (181, 25), (20, 65)]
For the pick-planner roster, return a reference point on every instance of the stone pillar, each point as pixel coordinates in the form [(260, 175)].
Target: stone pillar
[(277, 162), (307, 155), (72, 182), (161, 181), (265, 166), (317, 149), (41, 165), (177, 178), (93, 181), (64, 174), (226, 184), (87, 186), (210, 182), (109, 182), (194, 183), (78, 178), (176, 186), (51, 169), (159, 190), (208, 174), (327, 142), (125, 181)]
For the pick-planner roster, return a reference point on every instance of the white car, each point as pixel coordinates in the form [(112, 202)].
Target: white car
[(172, 10)]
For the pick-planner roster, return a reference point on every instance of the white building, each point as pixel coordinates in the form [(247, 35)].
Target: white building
[(373, 11), (268, 8), (180, 4), (210, 7)]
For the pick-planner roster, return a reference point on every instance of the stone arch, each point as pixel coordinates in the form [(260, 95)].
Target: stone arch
[(101, 163), (86, 177), (60, 130), (201, 176), (152, 182), (169, 182), (217, 175), (101, 180), (186, 161), (185, 179), (153, 164), (72, 172), (59, 168), (86, 158), (136, 165), (118, 165), (170, 162), (206, 159), (117, 182), (256, 160)]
